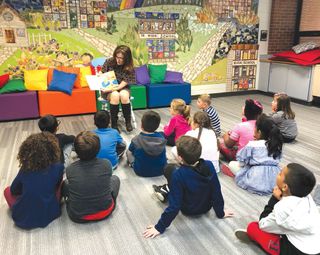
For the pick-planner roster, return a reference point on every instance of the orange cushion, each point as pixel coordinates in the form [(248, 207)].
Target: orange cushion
[(75, 70), (50, 75), (58, 103)]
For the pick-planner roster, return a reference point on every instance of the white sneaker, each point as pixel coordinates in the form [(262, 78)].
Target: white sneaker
[(242, 235)]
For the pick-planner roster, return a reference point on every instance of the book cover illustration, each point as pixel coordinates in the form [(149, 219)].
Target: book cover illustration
[(104, 81)]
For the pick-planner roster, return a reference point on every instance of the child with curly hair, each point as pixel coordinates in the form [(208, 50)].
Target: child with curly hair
[(34, 195)]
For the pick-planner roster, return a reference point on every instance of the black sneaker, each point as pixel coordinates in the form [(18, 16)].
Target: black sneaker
[(242, 235), (161, 192)]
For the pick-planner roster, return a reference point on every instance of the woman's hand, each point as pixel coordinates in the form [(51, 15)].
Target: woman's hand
[(228, 214), (277, 193), (150, 232)]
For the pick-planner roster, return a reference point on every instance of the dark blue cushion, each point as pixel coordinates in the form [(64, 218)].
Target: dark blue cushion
[(62, 81), (161, 94)]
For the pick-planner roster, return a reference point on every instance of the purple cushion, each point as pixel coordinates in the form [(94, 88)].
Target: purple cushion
[(173, 77), (142, 75)]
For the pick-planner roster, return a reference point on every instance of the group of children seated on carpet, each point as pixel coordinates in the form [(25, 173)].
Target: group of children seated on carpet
[(289, 221)]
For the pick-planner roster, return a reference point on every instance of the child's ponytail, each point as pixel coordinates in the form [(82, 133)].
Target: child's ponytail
[(186, 112), (271, 133), (274, 142)]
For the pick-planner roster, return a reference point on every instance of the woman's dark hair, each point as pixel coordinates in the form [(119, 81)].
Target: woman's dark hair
[(127, 55), (150, 121), (300, 180), (271, 133), (202, 119), (283, 104), (87, 145), (102, 119), (38, 152), (252, 109), (48, 123), (189, 149)]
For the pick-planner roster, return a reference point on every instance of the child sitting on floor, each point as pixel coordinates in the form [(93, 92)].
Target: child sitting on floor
[(34, 195), (147, 151), (51, 124), (90, 189), (204, 133), (204, 103), (242, 133), (257, 163), (179, 123), (194, 187), (112, 146), (283, 116), (290, 222)]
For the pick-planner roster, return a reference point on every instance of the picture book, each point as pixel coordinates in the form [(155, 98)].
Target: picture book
[(104, 81)]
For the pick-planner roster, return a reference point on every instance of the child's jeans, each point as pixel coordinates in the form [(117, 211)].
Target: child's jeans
[(270, 243)]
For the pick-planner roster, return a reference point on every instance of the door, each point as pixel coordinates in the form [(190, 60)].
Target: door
[(10, 38)]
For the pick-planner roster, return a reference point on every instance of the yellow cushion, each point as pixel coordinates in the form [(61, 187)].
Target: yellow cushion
[(36, 79), (83, 72)]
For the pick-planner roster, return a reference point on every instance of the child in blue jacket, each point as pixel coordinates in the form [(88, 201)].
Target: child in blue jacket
[(147, 151), (194, 187)]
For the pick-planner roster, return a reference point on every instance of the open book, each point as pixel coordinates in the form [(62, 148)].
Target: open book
[(105, 81)]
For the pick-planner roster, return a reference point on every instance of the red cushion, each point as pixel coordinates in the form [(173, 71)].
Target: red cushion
[(298, 61), (4, 79), (308, 56)]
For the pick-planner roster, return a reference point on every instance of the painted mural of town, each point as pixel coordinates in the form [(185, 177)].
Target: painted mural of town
[(209, 41)]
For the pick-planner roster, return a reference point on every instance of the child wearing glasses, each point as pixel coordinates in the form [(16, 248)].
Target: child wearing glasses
[(283, 116)]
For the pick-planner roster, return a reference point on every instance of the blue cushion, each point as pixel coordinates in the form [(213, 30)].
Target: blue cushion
[(62, 81), (161, 94)]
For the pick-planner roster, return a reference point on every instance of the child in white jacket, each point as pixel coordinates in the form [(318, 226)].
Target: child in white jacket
[(290, 223)]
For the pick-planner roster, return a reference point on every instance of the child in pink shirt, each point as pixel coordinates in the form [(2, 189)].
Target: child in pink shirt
[(242, 133), (179, 123)]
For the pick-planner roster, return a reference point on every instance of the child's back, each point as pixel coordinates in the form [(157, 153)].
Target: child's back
[(147, 151)]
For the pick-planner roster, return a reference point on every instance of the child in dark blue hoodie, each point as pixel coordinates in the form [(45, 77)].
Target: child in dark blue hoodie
[(194, 187), (147, 151)]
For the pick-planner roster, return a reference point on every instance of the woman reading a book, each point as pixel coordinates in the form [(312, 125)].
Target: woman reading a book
[(122, 64)]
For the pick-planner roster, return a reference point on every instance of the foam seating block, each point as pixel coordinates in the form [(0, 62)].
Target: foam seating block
[(82, 100), (160, 95), (22, 105), (138, 94)]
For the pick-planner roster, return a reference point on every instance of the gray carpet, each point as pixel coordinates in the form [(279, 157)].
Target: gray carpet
[(137, 208)]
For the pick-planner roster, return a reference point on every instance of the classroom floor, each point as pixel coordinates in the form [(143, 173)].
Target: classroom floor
[(137, 208)]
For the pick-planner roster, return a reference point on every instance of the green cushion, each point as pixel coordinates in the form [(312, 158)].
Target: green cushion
[(157, 73), (138, 94), (13, 86)]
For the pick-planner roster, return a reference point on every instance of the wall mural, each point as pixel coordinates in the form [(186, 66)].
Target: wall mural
[(209, 41)]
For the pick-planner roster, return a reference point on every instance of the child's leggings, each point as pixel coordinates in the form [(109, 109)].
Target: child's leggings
[(11, 199), (270, 243)]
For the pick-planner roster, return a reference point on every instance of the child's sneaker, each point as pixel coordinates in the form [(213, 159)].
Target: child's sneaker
[(226, 170), (161, 192), (242, 235)]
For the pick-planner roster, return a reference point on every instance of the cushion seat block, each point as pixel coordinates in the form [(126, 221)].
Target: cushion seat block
[(160, 95), (58, 103), (22, 105)]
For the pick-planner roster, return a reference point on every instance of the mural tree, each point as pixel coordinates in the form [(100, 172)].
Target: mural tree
[(138, 47), (185, 37)]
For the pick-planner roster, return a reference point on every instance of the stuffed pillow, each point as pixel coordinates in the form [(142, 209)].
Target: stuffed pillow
[(173, 77), (13, 86), (142, 75), (84, 71), (74, 70), (157, 73), (302, 47), (3, 80), (62, 81), (36, 79)]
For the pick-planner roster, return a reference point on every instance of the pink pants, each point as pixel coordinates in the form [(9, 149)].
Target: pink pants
[(270, 243), (11, 199)]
